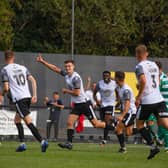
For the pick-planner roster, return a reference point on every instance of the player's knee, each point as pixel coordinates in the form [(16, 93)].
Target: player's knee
[(128, 133), (27, 120), (70, 123), (165, 125), (95, 124), (17, 120)]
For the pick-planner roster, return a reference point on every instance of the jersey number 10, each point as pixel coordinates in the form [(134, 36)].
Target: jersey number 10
[(20, 79)]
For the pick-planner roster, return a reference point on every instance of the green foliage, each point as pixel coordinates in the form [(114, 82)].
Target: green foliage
[(102, 27), (6, 30)]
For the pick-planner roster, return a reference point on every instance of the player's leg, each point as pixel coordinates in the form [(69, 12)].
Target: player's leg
[(163, 122), (129, 130), (120, 136), (23, 110), (90, 114), (19, 127), (107, 119), (49, 124), (162, 114), (151, 126), (143, 114), (22, 146), (163, 135), (72, 118), (28, 120), (70, 126), (165, 132), (56, 129)]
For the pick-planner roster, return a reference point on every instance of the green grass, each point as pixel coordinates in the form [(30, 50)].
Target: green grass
[(82, 156)]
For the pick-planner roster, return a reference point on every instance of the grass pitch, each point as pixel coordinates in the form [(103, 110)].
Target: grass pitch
[(85, 155)]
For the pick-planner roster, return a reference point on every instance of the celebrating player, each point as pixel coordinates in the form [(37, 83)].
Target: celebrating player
[(106, 88), (15, 79), (149, 99), (78, 98), (128, 109)]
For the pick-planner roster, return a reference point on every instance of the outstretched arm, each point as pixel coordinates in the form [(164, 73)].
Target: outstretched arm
[(48, 65)]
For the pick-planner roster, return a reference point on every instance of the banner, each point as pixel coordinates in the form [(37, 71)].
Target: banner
[(7, 125)]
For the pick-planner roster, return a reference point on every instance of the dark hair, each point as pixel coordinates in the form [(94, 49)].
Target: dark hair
[(159, 64), (8, 54), (120, 75), (141, 48), (69, 61), (107, 72), (55, 93)]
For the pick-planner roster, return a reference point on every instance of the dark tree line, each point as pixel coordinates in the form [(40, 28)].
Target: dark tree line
[(102, 27)]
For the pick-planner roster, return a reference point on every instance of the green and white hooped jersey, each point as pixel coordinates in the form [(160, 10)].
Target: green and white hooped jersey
[(164, 87)]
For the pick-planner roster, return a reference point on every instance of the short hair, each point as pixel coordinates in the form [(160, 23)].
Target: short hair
[(107, 72), (120, 75), (8, 54), (55, 92), (69, 61), (159, 64), (141, 48)]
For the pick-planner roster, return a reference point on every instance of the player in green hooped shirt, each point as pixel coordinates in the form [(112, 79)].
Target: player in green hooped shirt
[(162, 132)]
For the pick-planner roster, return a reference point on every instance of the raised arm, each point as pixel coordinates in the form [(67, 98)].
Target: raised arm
[(88, 84), (48, 65)]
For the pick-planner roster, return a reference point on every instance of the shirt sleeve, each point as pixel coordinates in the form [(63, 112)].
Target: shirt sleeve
[(139, 71), (98, 96), (76, 82), (60, 102), (63, 73), (4, 75), (127, 95)]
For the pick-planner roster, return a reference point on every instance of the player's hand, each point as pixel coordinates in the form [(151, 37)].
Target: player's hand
[(137, 101), (39, 58), (64, 90), (89, 79), (33, 99), (46, 99)]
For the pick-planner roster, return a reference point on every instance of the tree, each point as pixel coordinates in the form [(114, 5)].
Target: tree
[(6, 30), (102, 27)]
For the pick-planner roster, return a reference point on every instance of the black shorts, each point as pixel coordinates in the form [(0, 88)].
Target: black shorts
[(129, 119), (23, 107), (109, 110), (84, 108), (158, 109)]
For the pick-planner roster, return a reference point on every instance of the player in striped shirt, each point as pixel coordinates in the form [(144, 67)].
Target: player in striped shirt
[(162, 132)]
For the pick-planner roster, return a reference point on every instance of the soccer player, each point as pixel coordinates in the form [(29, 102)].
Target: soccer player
[(149, 99), (90, 93), (55, 106), (128, 110), (78, 99), (106, 88), (162, 132), (15, 78)]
